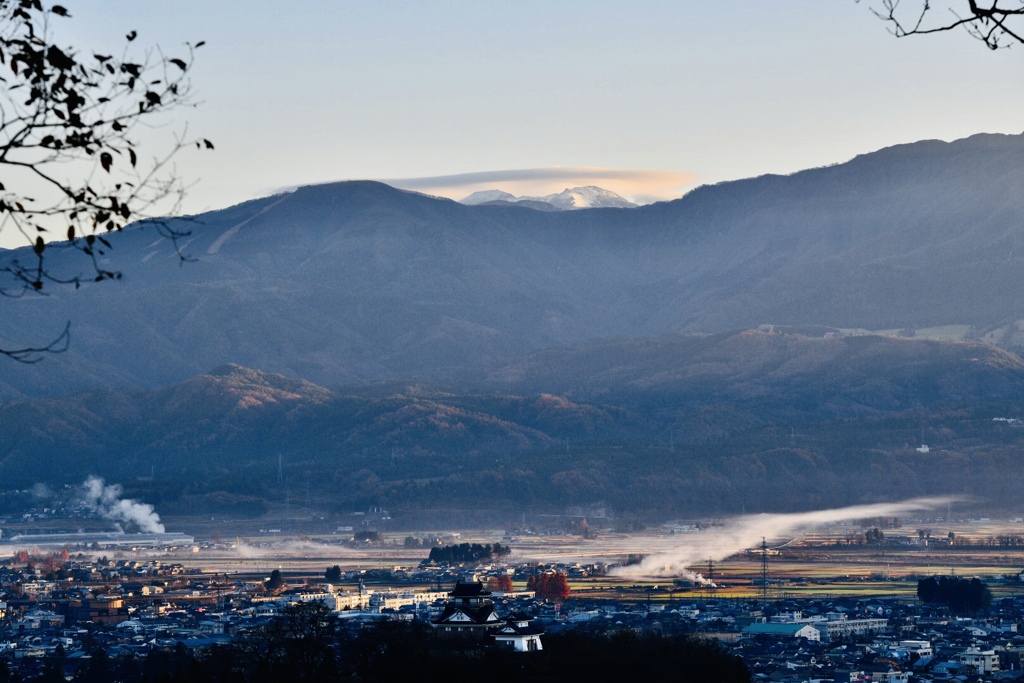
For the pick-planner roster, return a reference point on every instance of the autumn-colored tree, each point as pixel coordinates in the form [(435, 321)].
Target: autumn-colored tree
[(50, 563), (552, 586), (501, 583)]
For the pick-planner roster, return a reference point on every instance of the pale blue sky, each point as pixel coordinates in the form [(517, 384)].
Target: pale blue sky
[(317, 90)]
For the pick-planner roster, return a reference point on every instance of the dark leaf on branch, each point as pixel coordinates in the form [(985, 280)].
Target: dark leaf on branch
[(58, 59), (106, 160)]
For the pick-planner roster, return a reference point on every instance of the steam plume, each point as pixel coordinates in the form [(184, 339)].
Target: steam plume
[(106, 501), (745, 532)]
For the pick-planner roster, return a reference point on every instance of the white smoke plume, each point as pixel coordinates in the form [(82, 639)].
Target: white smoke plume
[(106, 501), (745, 532)]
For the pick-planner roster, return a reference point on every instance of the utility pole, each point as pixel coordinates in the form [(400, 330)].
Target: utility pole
[(764, 574), (711, 579)]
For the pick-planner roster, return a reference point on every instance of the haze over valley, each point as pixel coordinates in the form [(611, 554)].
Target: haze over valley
[(689, 356)]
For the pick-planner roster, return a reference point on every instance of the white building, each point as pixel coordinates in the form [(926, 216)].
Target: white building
[(983, 661), (394, 600), (921, 648), (519, 634), (800, 629)]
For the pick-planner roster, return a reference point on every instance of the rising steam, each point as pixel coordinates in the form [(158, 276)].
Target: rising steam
[(741, 533), (106, 501)]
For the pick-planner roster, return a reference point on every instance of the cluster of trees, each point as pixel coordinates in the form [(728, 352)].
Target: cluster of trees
[(367, 537), (414, 542), (467, 552), (874, 536), (582, 528), (552, 586), (962, 596), (1010, 541)]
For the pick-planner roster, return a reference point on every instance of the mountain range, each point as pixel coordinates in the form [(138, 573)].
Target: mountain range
[(357, 281), (761, 419), (793, 340)]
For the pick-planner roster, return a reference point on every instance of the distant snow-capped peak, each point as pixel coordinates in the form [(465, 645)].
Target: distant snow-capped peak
[(589, 197), (489, 196)]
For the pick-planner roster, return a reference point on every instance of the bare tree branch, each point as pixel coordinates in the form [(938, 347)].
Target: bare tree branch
[(996, 23), (70, 165), (30, 355)]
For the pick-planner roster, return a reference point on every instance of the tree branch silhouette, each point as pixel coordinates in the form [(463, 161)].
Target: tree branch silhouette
[(70, 151), (997, 24)]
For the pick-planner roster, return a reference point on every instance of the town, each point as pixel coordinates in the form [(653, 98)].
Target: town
[(64, 613)]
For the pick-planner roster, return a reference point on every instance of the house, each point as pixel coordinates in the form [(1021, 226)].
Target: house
[(519, 634), (39, 619)]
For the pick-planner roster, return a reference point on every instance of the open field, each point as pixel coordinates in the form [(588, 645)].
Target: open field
[(822, 562), (808, 567)]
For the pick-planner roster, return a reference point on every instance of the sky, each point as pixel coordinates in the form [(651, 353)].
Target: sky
[(646, 98)]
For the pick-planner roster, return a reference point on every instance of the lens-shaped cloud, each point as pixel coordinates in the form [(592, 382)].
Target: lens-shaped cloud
[(642, 186)]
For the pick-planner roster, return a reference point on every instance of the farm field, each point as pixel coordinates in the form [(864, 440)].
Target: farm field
[(820, 564)]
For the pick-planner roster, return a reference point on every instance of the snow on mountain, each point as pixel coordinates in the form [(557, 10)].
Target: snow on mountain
[(589, 197), (489, 196)]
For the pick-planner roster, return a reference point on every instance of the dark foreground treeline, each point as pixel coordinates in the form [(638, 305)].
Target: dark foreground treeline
[(301, 647)]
